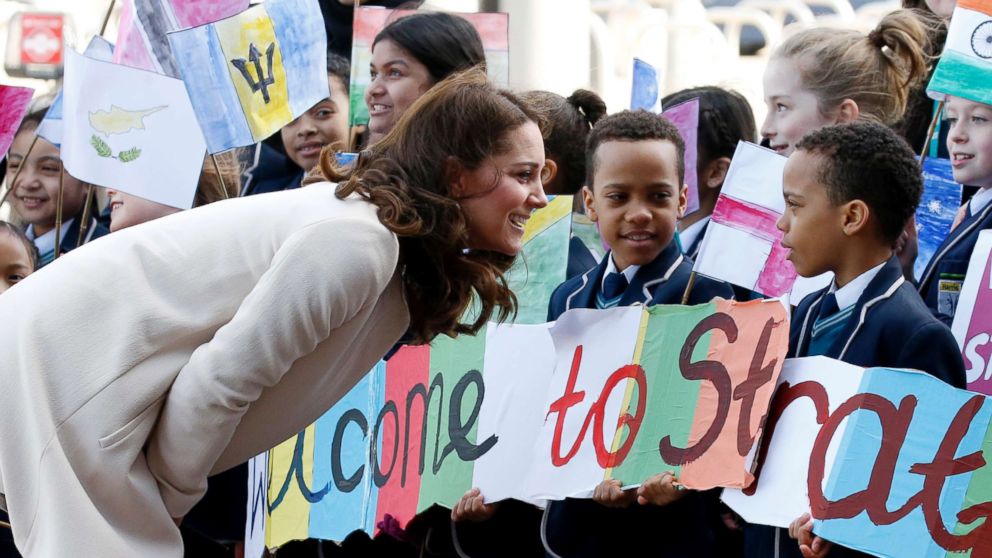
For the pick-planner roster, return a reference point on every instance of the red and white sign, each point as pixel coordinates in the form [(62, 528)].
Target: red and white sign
[(41, 38)]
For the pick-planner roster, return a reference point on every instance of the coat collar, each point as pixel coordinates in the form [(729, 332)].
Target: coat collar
[(648, 277), (882, 286), (955, 236)]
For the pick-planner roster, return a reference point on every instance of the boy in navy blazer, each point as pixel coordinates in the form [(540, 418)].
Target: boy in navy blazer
[(635, 191), (969, 141), (849, 191)]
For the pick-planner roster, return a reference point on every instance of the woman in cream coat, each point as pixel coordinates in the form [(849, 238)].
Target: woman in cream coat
[(137, 365)]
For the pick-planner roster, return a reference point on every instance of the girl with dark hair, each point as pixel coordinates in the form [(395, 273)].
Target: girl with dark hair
[(231, 342), (409, 56), (725, 118)]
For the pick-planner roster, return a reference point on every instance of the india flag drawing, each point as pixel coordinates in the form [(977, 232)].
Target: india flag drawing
[(965, 67), (251, 74)]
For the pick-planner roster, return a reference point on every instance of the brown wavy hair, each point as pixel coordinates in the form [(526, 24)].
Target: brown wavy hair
[(463, 119)]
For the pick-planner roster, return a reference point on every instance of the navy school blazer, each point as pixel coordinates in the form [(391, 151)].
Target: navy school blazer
[(890, 326), (952, 256), (662, 281)]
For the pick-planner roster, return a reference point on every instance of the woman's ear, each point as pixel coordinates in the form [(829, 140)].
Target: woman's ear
[(848, 112), (548, 174), (454, 175)]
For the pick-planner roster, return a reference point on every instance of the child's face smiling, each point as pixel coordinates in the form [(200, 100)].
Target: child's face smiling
[(812, 223), (636, 198), (15, 262), (326, 123), (969, 141), (36, 191)]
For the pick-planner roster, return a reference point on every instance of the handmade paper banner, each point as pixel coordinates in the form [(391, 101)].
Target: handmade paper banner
[(14, 103), (251, 74), (645, 89), (965, 66), (743, 244), (935, 214), (808, 390), (139, 136), (498, 412), (51, 126), (141, 36), (493, 29), (637, 373), (685, 117), (889, 462), (972, 325)]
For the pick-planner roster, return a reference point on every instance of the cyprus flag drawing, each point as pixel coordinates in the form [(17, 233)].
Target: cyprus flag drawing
[(965, 67), (139, 136)]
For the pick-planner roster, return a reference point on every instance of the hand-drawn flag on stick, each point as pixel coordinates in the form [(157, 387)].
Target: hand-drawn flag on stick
[(645, 91), (139, 136), (935, 214), (51, 126), (14, 103), (965, 67), (685, 117), (251, 74), (144, 24), (493, 29), (743, 244)]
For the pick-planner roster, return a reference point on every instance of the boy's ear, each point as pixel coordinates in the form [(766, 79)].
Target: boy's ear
[(715, 172), (848, 112), (588, 200), (856, 214), (454, 174), (683, 200)]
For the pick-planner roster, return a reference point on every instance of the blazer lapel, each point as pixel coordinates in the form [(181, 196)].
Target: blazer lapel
[(649, 277), (956, 236), (881, 287), (585, 295)]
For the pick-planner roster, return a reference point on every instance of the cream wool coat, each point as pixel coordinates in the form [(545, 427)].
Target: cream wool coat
[(142, 362)]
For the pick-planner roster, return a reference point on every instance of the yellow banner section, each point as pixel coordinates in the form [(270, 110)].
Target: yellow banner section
[(557, 209), (255, 63), (291, 519)]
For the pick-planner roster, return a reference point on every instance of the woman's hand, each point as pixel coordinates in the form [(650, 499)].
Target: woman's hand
[(810, 545), (471, 508), (608, 493), (659, 490)]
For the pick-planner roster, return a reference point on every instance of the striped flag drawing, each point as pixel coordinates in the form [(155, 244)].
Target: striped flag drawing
[(251, 74), (965, 67)]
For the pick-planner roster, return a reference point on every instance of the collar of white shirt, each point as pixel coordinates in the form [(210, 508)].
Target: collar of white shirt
[(46, 242), (851, 292), (980, 200)]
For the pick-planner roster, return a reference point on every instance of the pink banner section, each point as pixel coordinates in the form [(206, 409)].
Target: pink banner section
[(14, 103), (190, 13), (977, 348)]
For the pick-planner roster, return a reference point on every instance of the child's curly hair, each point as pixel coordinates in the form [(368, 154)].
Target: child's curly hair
[(633, 125)]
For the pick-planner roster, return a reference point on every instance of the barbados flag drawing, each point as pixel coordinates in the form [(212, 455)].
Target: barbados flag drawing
[(965, 67), (251, 74)]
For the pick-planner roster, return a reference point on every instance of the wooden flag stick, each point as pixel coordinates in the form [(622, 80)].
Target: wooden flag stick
[(688, 288), (933, 127), (5, 525), (20, 167), (220, 177), (87, 210), (106, 18), (58, 211)]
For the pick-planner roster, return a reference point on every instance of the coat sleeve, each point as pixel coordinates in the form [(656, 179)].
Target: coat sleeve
[(932, 349), (321, 277)]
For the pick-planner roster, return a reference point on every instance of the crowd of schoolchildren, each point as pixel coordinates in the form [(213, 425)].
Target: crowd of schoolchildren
[(848, 109)]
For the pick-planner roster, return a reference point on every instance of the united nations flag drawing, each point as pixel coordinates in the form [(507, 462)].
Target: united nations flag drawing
[(251, 74), (965, 67)]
